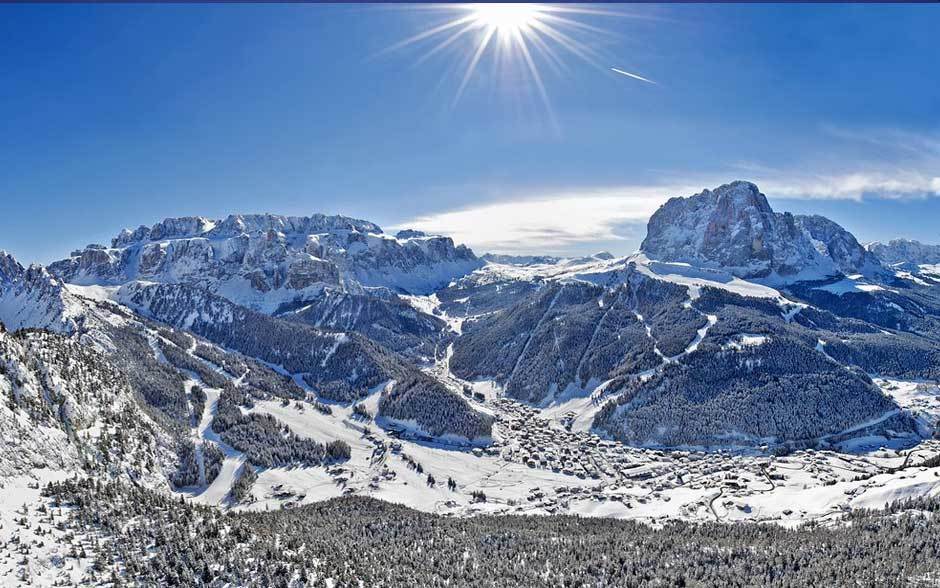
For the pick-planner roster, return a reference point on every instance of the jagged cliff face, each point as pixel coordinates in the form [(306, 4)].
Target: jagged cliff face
[(733, 227), (906, 251), (839, 245), (267, 260), (31, 297)]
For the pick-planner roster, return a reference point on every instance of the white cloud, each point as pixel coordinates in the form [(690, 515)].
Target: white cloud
[(551, 224), (886, 163), (899, 184)]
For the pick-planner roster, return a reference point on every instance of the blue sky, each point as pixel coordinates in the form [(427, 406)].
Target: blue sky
[(122, 115)]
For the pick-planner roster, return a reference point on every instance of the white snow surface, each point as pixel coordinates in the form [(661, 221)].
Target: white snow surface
[(612, 272), (747, 340), (849, 285)]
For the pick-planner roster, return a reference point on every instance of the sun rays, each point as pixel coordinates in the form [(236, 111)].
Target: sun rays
[(522, 36)]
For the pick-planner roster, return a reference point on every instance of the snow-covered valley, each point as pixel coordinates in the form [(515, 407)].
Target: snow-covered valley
[(546, 460)]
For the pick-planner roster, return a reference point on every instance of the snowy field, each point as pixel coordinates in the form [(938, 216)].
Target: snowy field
[(32, 550), (543, 460), (537, 466)]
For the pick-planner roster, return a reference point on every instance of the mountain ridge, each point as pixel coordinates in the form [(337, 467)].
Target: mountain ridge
[(265, 261), (905, 251)]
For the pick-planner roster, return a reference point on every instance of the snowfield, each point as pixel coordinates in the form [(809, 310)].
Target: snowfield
[(33, 550), (611, 480), (849, 285)]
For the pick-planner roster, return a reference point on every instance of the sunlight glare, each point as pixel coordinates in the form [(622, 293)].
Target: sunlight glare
[(517, 35), (505, 19)]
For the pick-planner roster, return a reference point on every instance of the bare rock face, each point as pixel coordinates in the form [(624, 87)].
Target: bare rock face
[(179, 227), (306, 273), (734, 228), (127, 236), (10, 269), (266, 260), (839, 245)]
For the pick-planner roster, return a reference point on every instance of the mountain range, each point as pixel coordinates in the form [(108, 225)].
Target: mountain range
[(734, 327), (266, 261)]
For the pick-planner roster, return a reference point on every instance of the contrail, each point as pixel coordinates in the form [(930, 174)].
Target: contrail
[(634, 76)]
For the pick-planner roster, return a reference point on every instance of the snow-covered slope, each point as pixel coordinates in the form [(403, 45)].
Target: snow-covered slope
[(66, 407), (665, 349), (388, 320), (264, 340), (336, 366), (264, 261)]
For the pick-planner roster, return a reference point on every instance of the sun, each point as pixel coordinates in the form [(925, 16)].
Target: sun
[(518, 35), (505, 19)]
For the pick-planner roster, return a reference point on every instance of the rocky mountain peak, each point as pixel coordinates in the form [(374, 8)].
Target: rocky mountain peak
[(841, 246), (10, 269), (410, 234), (33, 298), (238, 224), (739, 195), (733, 227)]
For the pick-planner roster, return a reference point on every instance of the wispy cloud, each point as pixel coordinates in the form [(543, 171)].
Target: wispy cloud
[(890, 141), (572, 220), (896, 185), (555, 223), (891, 164)]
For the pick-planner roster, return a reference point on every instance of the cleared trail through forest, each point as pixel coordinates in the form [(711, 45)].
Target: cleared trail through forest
[(218, 490)]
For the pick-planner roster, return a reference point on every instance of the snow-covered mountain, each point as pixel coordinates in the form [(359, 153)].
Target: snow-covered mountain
[(32, 297), (264, 261), (839, 245), (734, 228), (392, 321), (683, 356), (543, 328), (906, 251)]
